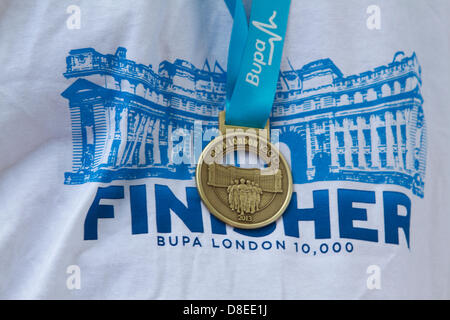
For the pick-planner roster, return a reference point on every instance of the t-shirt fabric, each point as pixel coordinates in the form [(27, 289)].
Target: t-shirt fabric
[(103, 107)]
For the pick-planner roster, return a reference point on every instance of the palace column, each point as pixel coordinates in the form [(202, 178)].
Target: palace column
[(110, 114), (390, 163), (164, 142), (398, 122), (143, 139), (87, 136), (155, 136), (170, 142), (138, 131), (409, 140), (308, 147), (374, 141), (361, 152), (132, 127), (333, 150), (123, 129), (149, 145), (347, 143)]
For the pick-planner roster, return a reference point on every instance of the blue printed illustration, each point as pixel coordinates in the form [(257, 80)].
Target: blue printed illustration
[(367, 127)]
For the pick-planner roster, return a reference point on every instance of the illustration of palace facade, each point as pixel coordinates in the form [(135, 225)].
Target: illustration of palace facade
[(367, 127)]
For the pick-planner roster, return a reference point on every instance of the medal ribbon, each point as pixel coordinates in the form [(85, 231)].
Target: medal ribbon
[(254, 58)]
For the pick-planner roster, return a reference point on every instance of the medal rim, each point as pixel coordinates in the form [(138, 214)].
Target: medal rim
[(219, 215)]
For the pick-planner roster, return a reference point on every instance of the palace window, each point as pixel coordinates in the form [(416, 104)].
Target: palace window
[(394, 133), (341, 158), (385, 90), (135, 160), (404, 159), (113, 153), (383, 159), (344, 100), (355, 160), (340, 139), (403, 132), (397, 87), (368, 159), (327, 102), (292, 108), (318, 104), (320, 141), (354, 135), (358, 97), (395, 157), (307, 105), (382, 135), (366, 133)]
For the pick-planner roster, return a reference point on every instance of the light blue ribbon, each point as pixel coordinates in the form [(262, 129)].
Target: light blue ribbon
[(254, 58)]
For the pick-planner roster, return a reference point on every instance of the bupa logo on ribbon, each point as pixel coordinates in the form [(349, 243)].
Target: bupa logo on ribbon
[(254, 58), (260, 46)]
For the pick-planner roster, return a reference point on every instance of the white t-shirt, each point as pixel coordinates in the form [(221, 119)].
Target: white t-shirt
[(98, 102)]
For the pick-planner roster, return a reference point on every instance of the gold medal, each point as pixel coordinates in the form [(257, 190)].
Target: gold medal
[(253, 197), (246, 198)]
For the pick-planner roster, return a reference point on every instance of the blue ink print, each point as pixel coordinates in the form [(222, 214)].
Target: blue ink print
[(368, 127)]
